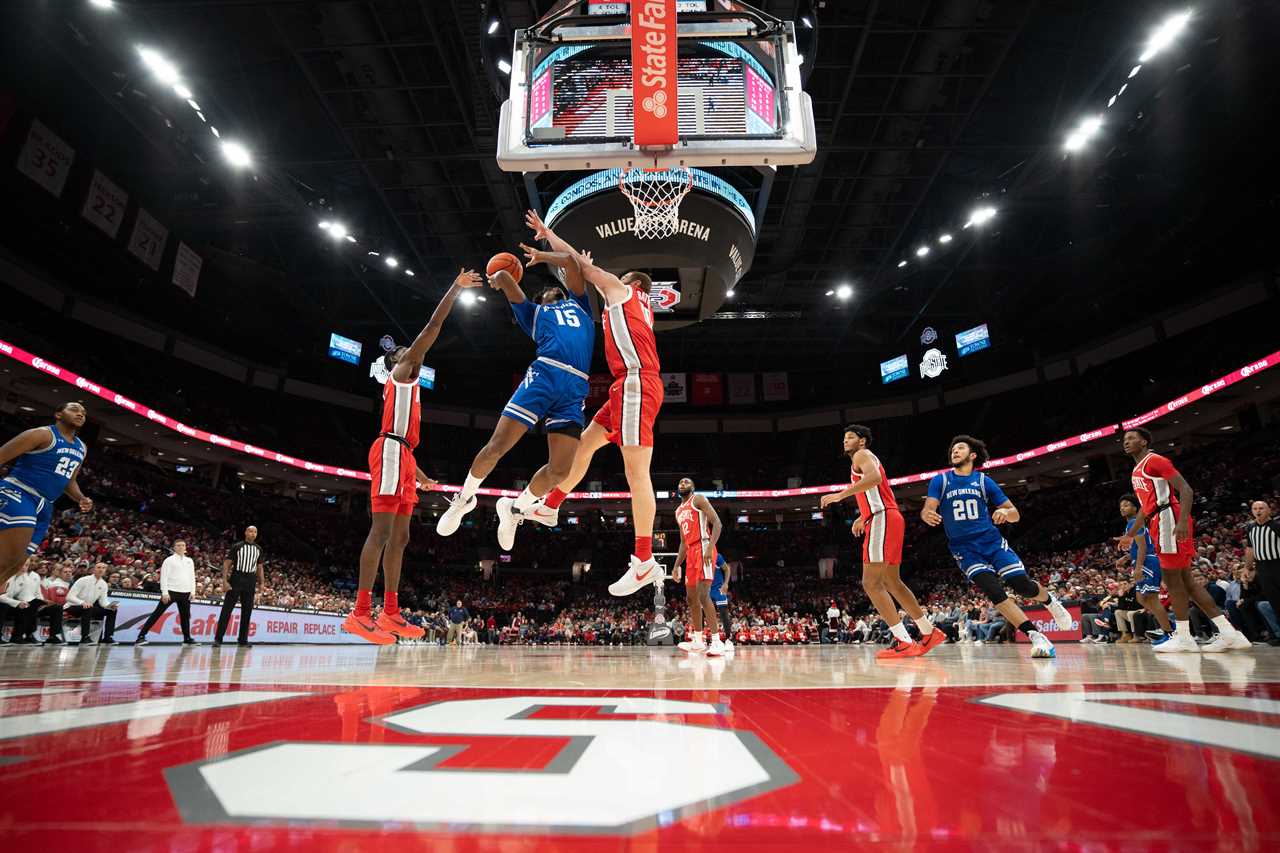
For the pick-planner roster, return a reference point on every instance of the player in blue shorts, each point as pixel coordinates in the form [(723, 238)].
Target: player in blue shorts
[(720, 598), (554, 391), (48, 459), (1146, 569), (961, 500)]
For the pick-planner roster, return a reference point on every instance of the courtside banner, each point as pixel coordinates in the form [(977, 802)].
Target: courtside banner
[(56, 371), (653, 72), (1045, 625), (267, 624)]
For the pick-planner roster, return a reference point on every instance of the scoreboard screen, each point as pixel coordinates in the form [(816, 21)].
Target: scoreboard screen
[(973, 340), (344, 349)]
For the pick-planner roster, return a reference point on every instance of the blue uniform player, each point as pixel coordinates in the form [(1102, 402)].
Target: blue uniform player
[(553, 392), (1146, 568), (969, 504), (720, 598), (45, 461)]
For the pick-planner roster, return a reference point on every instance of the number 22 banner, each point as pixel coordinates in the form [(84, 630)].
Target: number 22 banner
[(105, 204)]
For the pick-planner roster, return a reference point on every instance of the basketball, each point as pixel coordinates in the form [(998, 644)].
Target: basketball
[(505, 261)]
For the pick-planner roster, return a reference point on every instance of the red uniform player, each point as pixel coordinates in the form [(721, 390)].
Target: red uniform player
[(394, 479), (881, 526), (627, 418), (1166, 500), (699, 531)]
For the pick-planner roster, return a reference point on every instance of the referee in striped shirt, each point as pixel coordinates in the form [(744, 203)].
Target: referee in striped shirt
[(241, 574), (1262, 552)]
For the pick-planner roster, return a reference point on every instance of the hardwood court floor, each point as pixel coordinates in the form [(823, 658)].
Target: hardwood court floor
[(567, 748)]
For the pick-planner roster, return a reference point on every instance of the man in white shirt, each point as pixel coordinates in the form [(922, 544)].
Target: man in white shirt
[(87, 599), (19, 601), (177, 583)]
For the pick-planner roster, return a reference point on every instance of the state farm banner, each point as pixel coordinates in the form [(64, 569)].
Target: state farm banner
[(268, 624), (708, 389), (1045, 625), (653, 72), (676, 387), (776, 388), (742, 388)]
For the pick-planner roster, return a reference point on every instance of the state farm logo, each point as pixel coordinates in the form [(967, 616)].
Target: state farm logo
[(40, 364), (656, 104), (81, 382), (1176, 404), (1213, 386), (654, 71)]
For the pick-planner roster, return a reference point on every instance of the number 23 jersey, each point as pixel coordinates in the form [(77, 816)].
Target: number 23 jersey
[(965, 502)]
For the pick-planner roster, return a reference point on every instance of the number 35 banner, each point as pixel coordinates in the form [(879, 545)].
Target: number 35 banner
[(105, 204), (46, 159)]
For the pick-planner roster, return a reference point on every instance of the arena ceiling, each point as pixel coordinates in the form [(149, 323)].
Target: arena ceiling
[(383, 113)]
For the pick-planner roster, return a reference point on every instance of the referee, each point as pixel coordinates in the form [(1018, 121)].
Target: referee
[(241, 574), (1262, 552)]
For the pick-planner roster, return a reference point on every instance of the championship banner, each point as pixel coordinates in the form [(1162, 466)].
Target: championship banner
[(708, 390), (148, 240), (742, 389), (46, 159), (186, 269), (776, 388), (104, 205), (653, 72), (675, 387), (1044, 623), (266, 625)]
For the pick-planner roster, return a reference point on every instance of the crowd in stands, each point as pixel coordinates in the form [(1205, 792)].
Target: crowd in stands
[(777, 597)]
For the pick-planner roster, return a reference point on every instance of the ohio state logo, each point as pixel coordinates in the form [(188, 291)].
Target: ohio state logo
[(656, 104)]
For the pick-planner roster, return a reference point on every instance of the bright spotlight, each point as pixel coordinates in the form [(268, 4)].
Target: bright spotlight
[(1133, 72), (183, 92), (214, 131), (730, 292), (831, 293), (944, 239), (493, 26), (1165, 34), (193, 105), (103, 4), (981, 216), (409, 272), (467, 298), (1083, 133), (808, 23), (391, 261), (337, 230), (481, 298), (504, 66), (164, 70), (350, 239), (922, 251), (901, 264), (324, 225), (844, 292), (237, 155)]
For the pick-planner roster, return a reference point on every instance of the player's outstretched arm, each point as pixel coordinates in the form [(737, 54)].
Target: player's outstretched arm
[(24, 442), (1005, 513), (502, 281), (542, 232), (406, 369), (609, 285), (567, 261)]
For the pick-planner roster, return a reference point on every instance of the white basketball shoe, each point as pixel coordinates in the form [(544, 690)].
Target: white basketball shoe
[(451, 518), (639, 573)]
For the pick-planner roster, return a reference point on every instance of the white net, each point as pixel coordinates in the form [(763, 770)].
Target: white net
[(655, 196)]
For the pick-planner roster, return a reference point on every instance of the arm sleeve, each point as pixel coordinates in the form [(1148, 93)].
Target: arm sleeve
[(73, 594), (524, 313), (935, 487), (9, 596), (166, 569)]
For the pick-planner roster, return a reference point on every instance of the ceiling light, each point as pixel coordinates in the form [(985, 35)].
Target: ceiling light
[(730, 293), (237, 155), (901, 264), (1133, 72), (922, 251), (481, 298), (337, 230), (808, 23), (391, 261), (214, 130), (193, 105), (200, 115), (843, 292), (1165, 34), (350, 239), (981, 216), (944, 239), (181, 90), (408, 272), (1122, 88), (182, 459), (109, 438), (375, 254), (324, 225), (1086, 130), (102, 4), (493, 26), (164, 70), (467, 297), (26, 408), (504, 66), (831, 293)]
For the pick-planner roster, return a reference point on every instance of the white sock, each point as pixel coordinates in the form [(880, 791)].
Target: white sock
[(900, 631), (525, 502), (1184, 628), (1224, 625), (471, 486), (925, 626)]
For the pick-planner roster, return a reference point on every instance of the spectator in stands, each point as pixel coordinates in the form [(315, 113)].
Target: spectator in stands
[(88, 599)]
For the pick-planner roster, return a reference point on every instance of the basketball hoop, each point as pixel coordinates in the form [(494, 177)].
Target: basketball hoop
[(655, 196)]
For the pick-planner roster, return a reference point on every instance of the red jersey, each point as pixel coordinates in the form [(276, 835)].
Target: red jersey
[(629, 346), (1151, 484), (401, 410), (695, 529), (875, 500)]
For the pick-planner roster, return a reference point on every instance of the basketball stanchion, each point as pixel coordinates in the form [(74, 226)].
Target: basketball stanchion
[(660, 632)]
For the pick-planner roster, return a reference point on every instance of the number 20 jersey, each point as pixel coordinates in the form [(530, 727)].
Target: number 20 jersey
[(965, 502)]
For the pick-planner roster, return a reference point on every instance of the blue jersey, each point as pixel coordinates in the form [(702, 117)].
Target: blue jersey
[(717, 581), (1152, 560), (563, 331), (965, 502), (47, 472)]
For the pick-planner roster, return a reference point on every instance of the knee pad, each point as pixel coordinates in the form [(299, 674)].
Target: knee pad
[(1024, 585), (990, 586)]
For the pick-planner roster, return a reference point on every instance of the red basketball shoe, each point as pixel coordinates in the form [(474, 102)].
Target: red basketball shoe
[(393, 623), (898, 649), (366, 628), (932, 641)]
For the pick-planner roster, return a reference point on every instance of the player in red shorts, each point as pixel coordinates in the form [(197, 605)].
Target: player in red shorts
[(1166, 508), (881, 526), (627, 418), (699, 532), (395, 480)]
